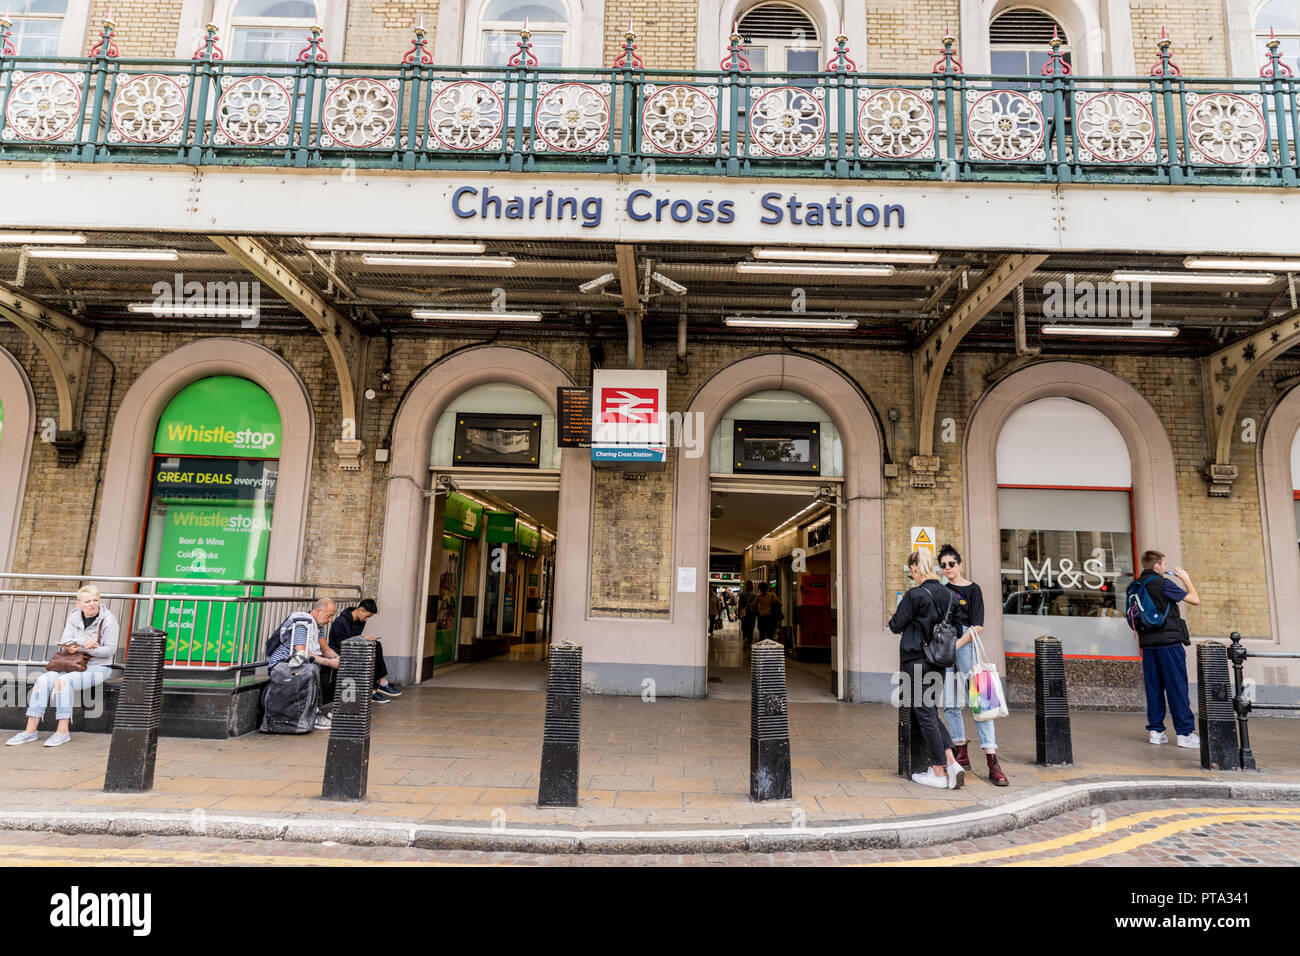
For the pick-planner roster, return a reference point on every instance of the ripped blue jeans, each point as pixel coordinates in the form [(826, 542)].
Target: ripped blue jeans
[(73, 682)]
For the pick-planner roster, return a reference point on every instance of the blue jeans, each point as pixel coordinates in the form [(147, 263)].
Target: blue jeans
[(73, 681), (1164, 671), (955, 698)]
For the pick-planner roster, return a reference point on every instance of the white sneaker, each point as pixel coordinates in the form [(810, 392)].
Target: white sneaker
[(322, 723), (20, 738), (956, 776), (1191, 740), (928, 779), (1160, 737), (57, 740)]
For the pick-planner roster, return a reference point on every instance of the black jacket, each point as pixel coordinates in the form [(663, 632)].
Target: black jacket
[(916, 617), (1173, 630)]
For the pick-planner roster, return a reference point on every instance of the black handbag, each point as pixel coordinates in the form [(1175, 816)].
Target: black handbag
[(941, 649)]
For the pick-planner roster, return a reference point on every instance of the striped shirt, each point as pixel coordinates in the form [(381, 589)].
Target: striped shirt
[(301, 629)]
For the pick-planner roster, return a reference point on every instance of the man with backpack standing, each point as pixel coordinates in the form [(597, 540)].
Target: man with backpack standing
[(1152, 606)]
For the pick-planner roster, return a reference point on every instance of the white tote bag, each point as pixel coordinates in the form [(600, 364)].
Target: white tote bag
[(987, 699)]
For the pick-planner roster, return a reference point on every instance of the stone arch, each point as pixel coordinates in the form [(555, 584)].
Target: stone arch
[(130, 450), (1277, 511), (15, 450), (870, 652), (1154, 483), (406, 516)]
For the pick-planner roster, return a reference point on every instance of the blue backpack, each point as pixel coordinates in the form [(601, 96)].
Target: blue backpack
[(1141, 610)]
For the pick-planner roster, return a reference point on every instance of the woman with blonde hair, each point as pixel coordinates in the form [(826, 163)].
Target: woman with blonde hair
[(90, 630), (921, 609)]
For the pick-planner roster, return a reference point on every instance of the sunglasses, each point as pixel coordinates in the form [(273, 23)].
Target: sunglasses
[(947, 564)]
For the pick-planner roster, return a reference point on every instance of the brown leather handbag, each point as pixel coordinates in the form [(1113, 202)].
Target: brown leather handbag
[(68, 661)]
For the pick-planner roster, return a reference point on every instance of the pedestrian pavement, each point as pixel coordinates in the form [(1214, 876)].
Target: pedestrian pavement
[(472, 756)]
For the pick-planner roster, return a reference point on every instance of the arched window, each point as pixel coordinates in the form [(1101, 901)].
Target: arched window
[(1019, 41), (548, 22), (1065, 509), (1283, 18), (37, 26), (263, 30), (776, 432), (780, 36)]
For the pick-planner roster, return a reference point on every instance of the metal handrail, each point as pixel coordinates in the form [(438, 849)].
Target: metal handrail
[(1242, 704), (207, 632)]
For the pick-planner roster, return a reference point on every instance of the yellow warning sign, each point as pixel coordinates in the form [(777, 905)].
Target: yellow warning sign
[(923, 539)]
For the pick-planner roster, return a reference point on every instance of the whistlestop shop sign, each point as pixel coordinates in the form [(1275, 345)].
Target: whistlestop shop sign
[(223, 417), (629, 422)]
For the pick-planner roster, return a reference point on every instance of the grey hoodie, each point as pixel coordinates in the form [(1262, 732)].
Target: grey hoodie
[(103, 628)]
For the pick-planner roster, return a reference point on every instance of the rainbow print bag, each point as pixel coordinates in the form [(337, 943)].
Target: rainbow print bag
[(987, 700)]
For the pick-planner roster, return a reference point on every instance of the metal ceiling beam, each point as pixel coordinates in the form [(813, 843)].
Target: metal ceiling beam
[(343, 340), (64, 343), (931, 359), (1226, 377), (625, 257)]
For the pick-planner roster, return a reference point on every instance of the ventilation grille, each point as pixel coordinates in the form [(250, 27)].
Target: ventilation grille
[(1025, 28), (777, 21)]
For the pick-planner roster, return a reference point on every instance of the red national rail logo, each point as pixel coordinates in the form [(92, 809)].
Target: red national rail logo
[(631, 406)]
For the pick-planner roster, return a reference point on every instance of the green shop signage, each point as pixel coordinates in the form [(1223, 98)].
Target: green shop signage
[(223, 416), (527, 538), (500, 527), (461, 516)]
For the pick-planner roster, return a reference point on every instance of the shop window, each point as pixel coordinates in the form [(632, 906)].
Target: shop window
[(500, 441), (1295, 477), (37, 26), (548, 22), (780, 37), (1066, 530), (784, 448), (211, 497), (784, 418)]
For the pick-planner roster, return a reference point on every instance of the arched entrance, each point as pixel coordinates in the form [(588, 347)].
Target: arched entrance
[(404, 561), (128, 469), (1279, 500), (1154, 485), (864, 657), (17, 424)]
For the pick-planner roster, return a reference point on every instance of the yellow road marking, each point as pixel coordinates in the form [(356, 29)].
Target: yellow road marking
[(1165, 830), (1057, 843)]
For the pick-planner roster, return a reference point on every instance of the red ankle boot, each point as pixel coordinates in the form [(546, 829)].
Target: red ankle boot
[(996, 776), (963, 758)]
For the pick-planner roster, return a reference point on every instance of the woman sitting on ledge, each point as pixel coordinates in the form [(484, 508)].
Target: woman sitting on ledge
[(91, 630)]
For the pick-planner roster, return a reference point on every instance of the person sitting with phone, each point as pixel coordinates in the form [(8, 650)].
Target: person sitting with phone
[(90, 640)]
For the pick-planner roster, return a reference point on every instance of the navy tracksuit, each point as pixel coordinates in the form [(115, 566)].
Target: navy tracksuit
[(1164, 661)]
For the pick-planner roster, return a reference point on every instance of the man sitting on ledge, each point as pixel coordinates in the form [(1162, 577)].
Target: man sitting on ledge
[(350, 623)]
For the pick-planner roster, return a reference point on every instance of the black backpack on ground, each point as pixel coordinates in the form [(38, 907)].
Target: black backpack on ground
[(290, 699)]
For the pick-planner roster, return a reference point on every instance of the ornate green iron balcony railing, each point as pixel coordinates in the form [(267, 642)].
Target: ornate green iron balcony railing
[(629, 119)]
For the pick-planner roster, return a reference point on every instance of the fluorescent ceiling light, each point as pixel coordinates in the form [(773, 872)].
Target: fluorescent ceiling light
[(839, 255), (1222, 262), (441, 262), (397, 245), (1190, 278), (805, 269), (67, 238), (1113, 331), (159, 309), (435, 315), (150, 255), (780, 322)]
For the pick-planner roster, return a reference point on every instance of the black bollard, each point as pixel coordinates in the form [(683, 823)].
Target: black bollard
[(1214, 708), (347, 757), (1240, 703), (561, 736), (913, 754), (1051, 704), (769, 724), (133, 751)]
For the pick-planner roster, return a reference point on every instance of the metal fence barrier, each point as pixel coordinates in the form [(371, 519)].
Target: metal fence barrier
[(1242, 702), (214, 627)]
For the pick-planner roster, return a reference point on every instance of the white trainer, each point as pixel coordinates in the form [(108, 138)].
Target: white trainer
[(57, 740), (1160, 737), (20, 738), (1191, 740), (928, 779), (956, 776)]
